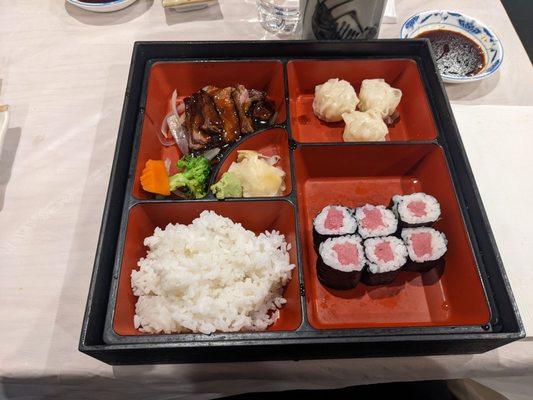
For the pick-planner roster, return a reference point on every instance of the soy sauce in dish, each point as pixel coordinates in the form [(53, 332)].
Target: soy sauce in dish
[(455, 54)]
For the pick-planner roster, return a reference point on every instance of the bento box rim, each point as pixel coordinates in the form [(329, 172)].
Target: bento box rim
[(139, 56)]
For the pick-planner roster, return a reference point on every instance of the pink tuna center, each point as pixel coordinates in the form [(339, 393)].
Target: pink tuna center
[(373, 218), (421, 243), (334, 219), (346, 253), (383, 251), (417, 208)]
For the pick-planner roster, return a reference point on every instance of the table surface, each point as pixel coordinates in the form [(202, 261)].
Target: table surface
[(63, 72)]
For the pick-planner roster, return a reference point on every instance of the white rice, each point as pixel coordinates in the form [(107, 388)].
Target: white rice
[(211, 275), (403, 212), (349, 225), (376, 265), (389, 219), (439, 244), (330, 258)]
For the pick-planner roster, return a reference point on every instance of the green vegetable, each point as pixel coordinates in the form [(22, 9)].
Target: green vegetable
[(193, 178), (228, 186)]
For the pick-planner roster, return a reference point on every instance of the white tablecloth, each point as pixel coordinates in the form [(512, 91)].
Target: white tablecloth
[(63, 72)]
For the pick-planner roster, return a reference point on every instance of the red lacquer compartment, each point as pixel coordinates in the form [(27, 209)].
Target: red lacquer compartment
[(257, 216), (187, 78), (268, 143), (416, 120), (357, 174)]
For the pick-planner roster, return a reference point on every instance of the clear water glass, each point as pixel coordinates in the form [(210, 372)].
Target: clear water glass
[(279, 16)]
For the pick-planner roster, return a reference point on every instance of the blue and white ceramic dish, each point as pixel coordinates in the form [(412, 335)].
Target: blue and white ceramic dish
[(103, 6), (468, 26)]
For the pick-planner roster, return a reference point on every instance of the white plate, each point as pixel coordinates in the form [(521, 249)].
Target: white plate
[(103, 7)]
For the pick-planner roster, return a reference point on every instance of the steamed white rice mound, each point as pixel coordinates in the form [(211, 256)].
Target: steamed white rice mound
[(211, 275)]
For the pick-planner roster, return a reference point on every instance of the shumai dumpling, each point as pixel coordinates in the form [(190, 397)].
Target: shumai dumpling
[(364, 126), (333, 98), (376, 94)]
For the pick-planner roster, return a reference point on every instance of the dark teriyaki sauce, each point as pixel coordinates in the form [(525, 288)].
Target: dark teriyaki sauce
[(455, 54)]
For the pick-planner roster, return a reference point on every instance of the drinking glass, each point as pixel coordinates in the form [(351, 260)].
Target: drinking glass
[(279, 16)]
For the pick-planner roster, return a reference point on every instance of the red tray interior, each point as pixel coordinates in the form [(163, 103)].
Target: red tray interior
[(188, 77), (268, 143), (257, 216), (416, 121), (355, 175)]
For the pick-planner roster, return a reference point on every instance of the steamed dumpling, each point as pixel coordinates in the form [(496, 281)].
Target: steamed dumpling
[(364, 126), (333, 98), (376, 94)]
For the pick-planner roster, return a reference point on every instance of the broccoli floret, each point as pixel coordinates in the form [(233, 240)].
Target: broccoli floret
[(195, 171)]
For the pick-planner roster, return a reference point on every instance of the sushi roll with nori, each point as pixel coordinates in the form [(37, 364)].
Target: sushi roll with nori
[(340, 262), (375, 221), (425, 247), (333, 221), (415, 210), (385, 257)]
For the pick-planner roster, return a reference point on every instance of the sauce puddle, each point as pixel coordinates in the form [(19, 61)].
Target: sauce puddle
[(455, 54)]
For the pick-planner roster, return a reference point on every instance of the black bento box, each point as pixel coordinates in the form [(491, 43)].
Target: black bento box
[(311, 336)]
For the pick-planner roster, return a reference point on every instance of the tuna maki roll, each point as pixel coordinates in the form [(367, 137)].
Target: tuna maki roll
[(426, 248), (340, 262), (333, 221), (417, 209), (375, 221), (385, 257)]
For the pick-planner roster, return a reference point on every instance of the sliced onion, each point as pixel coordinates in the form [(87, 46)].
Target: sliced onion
[(210, 154), (168, 164), (163, 135), (173, 123), (173, 102), (178, 133)]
